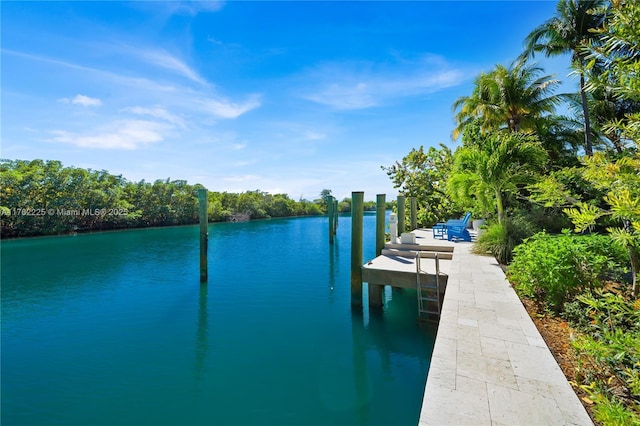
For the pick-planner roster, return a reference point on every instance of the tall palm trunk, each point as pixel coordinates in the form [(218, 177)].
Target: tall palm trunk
[(588, 146), (499, 205)]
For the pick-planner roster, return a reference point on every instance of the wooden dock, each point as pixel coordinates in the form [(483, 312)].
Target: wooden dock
[(423, 266)]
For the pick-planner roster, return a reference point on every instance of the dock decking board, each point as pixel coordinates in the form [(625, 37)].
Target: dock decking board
[(396, 266)]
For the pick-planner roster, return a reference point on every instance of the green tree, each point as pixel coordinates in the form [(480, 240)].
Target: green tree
[(512, 98), (620, 180), (486, 173), (424, 175), (615, 68), (34, 196), (570, 31), (618, 53), (561, 137), (322, 201)]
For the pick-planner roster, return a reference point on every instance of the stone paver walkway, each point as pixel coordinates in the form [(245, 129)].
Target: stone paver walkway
[(490, 366)]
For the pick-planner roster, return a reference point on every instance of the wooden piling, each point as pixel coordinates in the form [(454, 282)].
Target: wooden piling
[(413, 205), (375, 290), (331, 215), (380, 213), (401, 214), (335, 214), (204, 235), (357, 219)]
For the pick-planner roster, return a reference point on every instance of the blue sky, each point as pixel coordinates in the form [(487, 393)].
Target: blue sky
[(285, 97)]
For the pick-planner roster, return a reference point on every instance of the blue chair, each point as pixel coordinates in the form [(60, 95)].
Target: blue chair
[(453, 229), (440, 231), (458, 232)]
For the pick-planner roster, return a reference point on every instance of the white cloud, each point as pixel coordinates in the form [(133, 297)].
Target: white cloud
[(119, 135), (223, 108), (359, 85), (167, 9), (202, 102), (244, 163), (214, 41), (163, 59), (138, 83), (344, 96), (86, 101), (241, 179), (193, 8), (156, 112), (314, 136), (83, 100)]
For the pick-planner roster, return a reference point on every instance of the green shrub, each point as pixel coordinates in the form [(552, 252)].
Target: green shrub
[(608, 354), (555, 268), (499, 240), (494, 241), (603, 312), (613, 413)]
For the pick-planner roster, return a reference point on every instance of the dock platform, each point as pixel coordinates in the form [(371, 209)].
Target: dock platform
[(396, 266), (423, 266), (490, 365)]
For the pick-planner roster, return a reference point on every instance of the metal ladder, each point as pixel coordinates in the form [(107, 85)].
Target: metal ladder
[(428, 287)]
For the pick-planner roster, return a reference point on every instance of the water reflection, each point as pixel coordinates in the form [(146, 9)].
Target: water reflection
[(360, 363), (202, 333), (387, 339), (376, 327), (334, 261), (101, 323)]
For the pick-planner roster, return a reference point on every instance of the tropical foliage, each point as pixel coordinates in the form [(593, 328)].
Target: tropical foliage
[(570, 31), (495, 168), (555, 268), (424, 175), (512, 98), (44, 197), (533, 172), (608, 353)]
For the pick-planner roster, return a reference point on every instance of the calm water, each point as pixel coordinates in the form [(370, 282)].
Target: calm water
[(115, 329)]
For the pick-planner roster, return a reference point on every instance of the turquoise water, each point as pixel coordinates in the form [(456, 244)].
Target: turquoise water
[(115, 329)]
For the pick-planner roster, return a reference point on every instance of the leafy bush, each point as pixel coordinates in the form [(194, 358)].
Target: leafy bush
[(603, 312), (554, 268), (608, 354), (500, 239)]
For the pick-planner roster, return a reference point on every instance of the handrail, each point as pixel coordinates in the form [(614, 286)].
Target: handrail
[(435, 257)]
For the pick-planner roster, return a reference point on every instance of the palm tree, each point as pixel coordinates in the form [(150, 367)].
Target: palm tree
[(608, 113), (561, 137), (493, 169), (570, 31), (511, 98)]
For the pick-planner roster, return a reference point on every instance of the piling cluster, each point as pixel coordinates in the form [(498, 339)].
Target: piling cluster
[(357, 213)]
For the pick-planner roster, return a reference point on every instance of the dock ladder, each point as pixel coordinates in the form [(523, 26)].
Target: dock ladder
[(428, 286)]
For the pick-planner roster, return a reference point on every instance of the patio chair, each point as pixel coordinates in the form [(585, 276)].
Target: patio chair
[(441, 230), (458, 232)]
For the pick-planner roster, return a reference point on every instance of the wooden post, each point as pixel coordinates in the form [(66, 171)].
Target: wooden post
[(414, 213), (357, 215), (331, 218), (335, 213), (376, 290), (380, 211), (204, 236), (401, 215)]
